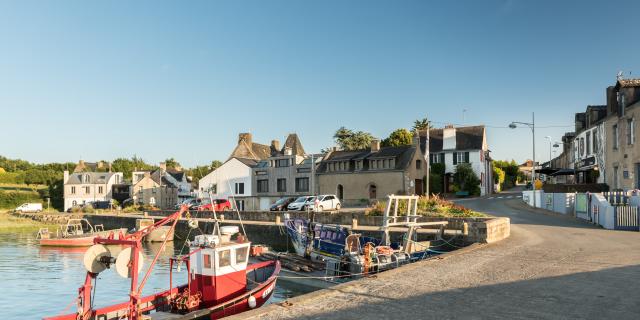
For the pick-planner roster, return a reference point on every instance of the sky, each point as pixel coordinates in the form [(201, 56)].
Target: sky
[(159, 79)]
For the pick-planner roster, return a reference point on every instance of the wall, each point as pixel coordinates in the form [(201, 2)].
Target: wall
[(356, 185), (231, 172), (290, 173), (627, 156)]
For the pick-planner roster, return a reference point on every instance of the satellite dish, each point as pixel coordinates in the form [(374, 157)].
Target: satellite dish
[(123, 261), (92, 257)]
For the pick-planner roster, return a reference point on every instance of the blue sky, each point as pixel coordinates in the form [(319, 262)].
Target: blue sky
[(181, 79)]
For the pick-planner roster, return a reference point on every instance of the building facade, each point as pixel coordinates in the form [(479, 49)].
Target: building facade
[(153, 188), (589, 145), (622, 150), (85, 187), (361, 176), (452, 146)]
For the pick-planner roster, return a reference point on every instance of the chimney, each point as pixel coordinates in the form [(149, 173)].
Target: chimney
[(66, 176), (246, 137), (612, 101), (275, 145), (375, 145), (449, 141), (147, 174), (100, 164), (415, 141), (109, 166), (163, 166), (81, 163), (288, 151)]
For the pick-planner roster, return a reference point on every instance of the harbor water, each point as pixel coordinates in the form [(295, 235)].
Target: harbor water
[(39, 281)]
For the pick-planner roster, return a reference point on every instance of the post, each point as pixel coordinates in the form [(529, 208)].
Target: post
[(533, 169), (428, 158), (313, 176)]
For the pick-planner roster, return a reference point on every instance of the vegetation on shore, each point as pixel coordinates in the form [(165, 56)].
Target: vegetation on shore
[(11, 223), (433, 207)]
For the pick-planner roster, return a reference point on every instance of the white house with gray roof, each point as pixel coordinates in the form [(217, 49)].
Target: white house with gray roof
[(85, 187)]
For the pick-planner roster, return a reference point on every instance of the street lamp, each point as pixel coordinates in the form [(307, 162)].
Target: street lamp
[(531, 125)]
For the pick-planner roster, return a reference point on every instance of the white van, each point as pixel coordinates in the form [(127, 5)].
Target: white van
[(29, 207)]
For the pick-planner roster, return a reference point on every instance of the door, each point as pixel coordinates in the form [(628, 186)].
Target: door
[(418, 184), (373, 192), (340, 192), (637, 175)]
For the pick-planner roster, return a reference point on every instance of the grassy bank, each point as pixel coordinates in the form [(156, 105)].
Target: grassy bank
[(11, 223)]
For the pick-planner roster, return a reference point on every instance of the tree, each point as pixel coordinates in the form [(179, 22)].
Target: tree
[(127, 166), (348, 139), (171, 163), (399, 137), (466, 180), (421, 124)]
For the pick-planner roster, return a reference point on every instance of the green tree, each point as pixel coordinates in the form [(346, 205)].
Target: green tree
[(348, 139), (421, 124), (464, 179), (399, 137), (127, 166), (171, 163)]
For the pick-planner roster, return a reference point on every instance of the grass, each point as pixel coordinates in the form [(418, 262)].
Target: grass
[(21, 187), (432, 207), (11, 223)]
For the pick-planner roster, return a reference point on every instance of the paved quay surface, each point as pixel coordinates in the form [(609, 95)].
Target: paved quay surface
[(552, 267)]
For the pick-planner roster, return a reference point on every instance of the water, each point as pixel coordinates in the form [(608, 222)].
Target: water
[(38, 281)]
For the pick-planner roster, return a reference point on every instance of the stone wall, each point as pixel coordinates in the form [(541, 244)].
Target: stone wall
[(489, 231)]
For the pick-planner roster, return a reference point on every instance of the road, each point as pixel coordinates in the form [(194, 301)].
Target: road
[(552, 267)]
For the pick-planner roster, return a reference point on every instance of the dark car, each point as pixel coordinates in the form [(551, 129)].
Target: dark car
[(281, 204), (101, 204)]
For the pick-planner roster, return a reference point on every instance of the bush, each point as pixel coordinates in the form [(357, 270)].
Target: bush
[(466, 180), (88, 209), (434, 206), (12, 199), (76, 209)]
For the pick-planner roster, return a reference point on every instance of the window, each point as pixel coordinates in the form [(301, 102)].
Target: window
[(86, 178), (418, 164), (74, 203), (379, 164), (207, 261), (213, 188), (153, 190), (302, 184), (100, 190), (460, 157), (595, 142), (140, 189), (87, 190), (225, 258), (240, 188), (582, 147), (241, 255), (282, 185), (73, 190), (263, 185), (630, 132), (588, 143), (615, 177), (282, 163), (615, 137)]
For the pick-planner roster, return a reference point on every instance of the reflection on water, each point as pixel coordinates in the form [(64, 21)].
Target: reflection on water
[(39, 281)]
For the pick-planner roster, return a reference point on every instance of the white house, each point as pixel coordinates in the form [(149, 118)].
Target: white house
[(453, 146), (231, 180), (85, 187)]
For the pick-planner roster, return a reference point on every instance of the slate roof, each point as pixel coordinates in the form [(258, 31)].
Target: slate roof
[(155, 176), (467, 138), (623, 83), (294, 143), (248, 162), (178, 175), (402, 155), (94, 177)]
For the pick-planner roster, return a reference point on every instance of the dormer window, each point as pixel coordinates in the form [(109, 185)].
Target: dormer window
[(86, 178)]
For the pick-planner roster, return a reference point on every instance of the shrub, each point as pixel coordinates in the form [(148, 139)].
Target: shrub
[(466, 180), (434, 206), (88, 209), (76, 209)]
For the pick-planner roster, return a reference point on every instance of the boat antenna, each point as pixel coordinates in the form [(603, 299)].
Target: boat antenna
[(216, 225), (235, 206)]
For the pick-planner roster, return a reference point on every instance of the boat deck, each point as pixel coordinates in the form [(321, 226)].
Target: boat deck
[(161, 315)]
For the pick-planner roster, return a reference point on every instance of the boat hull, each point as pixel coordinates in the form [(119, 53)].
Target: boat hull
[(80, 241)]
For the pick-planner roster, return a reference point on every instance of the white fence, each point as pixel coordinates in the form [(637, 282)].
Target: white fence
[(595, 208)]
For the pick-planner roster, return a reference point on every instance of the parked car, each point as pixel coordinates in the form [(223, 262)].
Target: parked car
[(192, 203), (218, 205), (328, 202), (281, 204), (100, 204), (29, 207), (301, 203)]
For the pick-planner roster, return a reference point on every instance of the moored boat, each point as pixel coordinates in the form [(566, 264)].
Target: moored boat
[(220, 279), (77, 233)]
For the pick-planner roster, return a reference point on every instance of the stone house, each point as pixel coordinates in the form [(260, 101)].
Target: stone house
[(99, 166), (622, 148), (452, 146), (153, 188), (360, 176), (85, 187), (287, 172)]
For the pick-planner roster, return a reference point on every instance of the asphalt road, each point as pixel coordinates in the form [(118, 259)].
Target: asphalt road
[(552, 267)]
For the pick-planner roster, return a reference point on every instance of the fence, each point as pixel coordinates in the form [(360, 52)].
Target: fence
[(617, 198), (626, 218)]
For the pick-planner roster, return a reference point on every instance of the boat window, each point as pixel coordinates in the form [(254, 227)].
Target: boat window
[(225, 258), (323, 234), (241, 255), (207, 260)]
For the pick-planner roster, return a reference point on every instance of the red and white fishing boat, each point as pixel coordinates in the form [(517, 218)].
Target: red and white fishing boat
[(77, 233), (220, 280)]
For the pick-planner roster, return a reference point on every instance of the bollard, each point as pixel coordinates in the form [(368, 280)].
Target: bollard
[(277, 219), (146, 214), (465, 229), (354, 224)]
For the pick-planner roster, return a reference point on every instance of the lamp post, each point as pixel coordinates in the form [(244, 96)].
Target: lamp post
[(550, 144), (531, 125)]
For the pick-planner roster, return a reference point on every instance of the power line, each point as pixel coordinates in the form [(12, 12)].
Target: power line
[(501, 127)]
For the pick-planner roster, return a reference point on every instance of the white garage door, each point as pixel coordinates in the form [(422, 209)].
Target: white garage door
[(265, 203)]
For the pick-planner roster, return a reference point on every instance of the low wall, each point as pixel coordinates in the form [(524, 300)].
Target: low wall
[(489, 231)]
